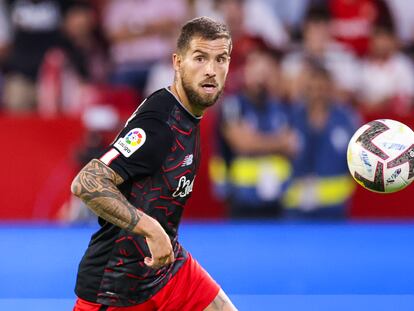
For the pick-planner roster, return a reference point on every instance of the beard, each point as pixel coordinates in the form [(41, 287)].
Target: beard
[(197, 99)]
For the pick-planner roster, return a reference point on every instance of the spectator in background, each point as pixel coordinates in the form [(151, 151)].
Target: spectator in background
[(259, 20), (5, 33), (83, 42), (255, 142), (255, 18), (318, 46), (35, 26), (291, 13), (253, 24), (5, 41), (160, 74), (354, 20), (140, 33), (79, 61), (321, 184), (100, 123), (402, 13), (387, 76), (404, 24)]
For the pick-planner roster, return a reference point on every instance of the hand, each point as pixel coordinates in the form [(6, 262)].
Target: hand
[(289, 142), (160, 247), (240, 136), (161, 252)]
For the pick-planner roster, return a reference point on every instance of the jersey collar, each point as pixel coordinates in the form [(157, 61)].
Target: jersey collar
[(180, 104)]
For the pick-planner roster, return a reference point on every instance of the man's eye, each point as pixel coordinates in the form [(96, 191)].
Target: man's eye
[(199, 58), (221, 59)]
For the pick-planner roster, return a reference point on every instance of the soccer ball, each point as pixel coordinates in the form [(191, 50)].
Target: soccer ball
[(381, 156)]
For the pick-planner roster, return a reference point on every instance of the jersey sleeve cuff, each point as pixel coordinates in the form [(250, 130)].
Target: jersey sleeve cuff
[(108, 159)]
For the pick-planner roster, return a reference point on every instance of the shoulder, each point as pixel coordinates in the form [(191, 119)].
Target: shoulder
[(143, 133), (156, 109), (159, 104), (148, 126), (346, 115), (231, 108)]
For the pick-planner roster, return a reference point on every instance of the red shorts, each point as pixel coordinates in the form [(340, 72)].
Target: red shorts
[(190, 289)]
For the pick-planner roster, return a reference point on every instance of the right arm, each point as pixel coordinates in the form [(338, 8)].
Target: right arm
[(96, 185), (243, 139)]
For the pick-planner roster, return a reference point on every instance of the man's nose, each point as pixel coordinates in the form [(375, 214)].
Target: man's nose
[(210, 69)]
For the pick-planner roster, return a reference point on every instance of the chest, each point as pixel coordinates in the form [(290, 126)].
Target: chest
[(180, 166), (267, 119)]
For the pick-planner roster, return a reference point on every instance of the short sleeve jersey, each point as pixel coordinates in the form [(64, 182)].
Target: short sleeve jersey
[(157, 154)]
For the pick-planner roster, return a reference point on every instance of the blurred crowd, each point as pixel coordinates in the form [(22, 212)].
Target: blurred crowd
[(302, 76)]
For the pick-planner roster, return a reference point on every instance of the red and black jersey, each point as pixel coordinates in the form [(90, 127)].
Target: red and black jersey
[(157, 154)]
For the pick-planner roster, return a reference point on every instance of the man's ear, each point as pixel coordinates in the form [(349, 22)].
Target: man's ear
[(176, 59)]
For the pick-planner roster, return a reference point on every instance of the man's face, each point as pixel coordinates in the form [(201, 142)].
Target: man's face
[(318, 88), (202, 70), (382, 45), (256, 74), (316, 35)]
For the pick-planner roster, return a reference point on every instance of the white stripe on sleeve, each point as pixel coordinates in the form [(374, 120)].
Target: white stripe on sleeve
[(108, 157)]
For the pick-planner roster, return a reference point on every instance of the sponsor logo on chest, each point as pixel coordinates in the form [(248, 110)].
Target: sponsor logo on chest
[(184, 188), (188, 160)]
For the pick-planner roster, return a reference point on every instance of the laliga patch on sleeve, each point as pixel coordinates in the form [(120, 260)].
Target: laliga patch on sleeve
[(131, 142)]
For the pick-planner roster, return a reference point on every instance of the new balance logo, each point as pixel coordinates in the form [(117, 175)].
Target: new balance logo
[(188, 160)]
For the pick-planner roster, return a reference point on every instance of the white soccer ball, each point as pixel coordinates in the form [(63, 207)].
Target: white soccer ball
[(381, 156)]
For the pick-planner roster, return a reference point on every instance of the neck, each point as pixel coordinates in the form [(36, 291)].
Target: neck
[(257, 96), (178, 90), (318, 106), (316, 50), (318, 113)]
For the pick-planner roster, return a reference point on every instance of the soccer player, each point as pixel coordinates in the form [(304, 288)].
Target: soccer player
[(139, 187)]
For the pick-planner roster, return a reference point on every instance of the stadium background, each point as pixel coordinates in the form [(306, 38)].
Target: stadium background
[(362, 262)]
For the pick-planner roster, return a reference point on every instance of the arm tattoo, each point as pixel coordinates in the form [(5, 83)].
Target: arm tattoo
[(96, 186)]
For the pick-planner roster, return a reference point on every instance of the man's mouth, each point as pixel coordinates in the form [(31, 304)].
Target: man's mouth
[(209, 87)]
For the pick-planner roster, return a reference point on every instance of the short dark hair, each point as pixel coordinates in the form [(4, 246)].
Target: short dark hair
[(203, 27), (317, 14), (384, 29)]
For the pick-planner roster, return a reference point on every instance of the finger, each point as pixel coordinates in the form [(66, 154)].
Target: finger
[(153, 264)]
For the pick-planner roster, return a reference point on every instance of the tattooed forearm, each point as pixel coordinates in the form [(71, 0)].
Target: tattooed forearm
[(96, 186)]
